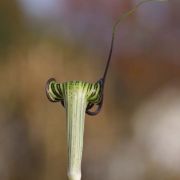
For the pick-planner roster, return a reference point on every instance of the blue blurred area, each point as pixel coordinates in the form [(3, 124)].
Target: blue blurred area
[(91, 22)]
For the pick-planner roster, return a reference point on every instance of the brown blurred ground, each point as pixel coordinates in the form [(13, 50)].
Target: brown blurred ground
[(135, 137)]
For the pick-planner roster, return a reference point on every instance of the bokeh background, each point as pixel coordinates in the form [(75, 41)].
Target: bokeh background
[(137, 134)]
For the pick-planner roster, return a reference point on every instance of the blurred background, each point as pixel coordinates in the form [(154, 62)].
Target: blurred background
[(137, 134)]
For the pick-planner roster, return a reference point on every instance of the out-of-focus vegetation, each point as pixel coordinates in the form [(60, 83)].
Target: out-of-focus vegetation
[(136, 136)]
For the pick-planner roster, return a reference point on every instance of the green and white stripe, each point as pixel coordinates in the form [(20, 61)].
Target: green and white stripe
[(76, 96)]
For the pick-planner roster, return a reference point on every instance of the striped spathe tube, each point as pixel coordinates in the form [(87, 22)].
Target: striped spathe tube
[(75, 96)]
